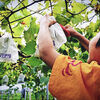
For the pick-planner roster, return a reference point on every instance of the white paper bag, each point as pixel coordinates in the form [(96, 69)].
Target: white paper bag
[(8, 49), (57, 35)]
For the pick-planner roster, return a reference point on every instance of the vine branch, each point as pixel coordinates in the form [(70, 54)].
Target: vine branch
[(12, 12), (66, 3), (10, 26), (25, 7), (29, 15), (22, 55), (51, 7), (18, 4), (90, 19)]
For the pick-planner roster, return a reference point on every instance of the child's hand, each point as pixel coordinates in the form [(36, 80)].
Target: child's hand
[(71, 30), (45, 20)]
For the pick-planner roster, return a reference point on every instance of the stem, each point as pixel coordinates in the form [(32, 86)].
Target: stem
[(25, 7), (12, 12), (29, 15), (90, 19), (18, 4), (10, 26), (51, 8), (74, 13), (24, 56)]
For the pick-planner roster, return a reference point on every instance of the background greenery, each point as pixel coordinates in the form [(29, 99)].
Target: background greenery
[(19, 17)]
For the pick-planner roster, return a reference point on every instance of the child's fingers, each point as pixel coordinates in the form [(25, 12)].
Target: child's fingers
[(67, 26)]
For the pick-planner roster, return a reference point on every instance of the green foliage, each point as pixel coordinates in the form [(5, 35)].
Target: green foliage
[(18, 29), (94, 2), (97, 26), (77, 19), (77, 7), (1, 6), (44, 80), (29, 48), (4, 25), (59, 6), (33, 29), (1, 72), (33, 61)]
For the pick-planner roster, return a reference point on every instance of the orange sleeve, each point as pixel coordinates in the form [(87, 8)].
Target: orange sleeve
[(74, 80)]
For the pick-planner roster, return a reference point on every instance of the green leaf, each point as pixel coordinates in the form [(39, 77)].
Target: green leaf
[(25, 2), (24, 67), (44, 80), (79, 30), (47, 4), (72, 52), (18, 40), (94, 2), (33, 61), (63, 47), (97, 26), (5, 26), (18, 30), (89, 34), (24, 11), (77, 7), (55, 0), (27, 21), (2, 6), (29, 48), (86, 17), (18, 15), (6, 1), (58, 8), (85, 56), (77, 19), (62, 20), (29, 34), (89, 31)]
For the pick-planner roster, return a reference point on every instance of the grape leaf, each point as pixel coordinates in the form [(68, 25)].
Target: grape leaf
[(94, 2), (18, 30), (77, 7), (58, 8), (30, 47), (33, 61), (44, 80), (29, 34), (76, 19), (2, 6), (97, 26)]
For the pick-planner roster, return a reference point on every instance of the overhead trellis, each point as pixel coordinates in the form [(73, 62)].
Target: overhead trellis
[(68, 3)]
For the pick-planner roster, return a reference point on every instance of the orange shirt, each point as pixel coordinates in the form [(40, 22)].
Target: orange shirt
[(74, 80)]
